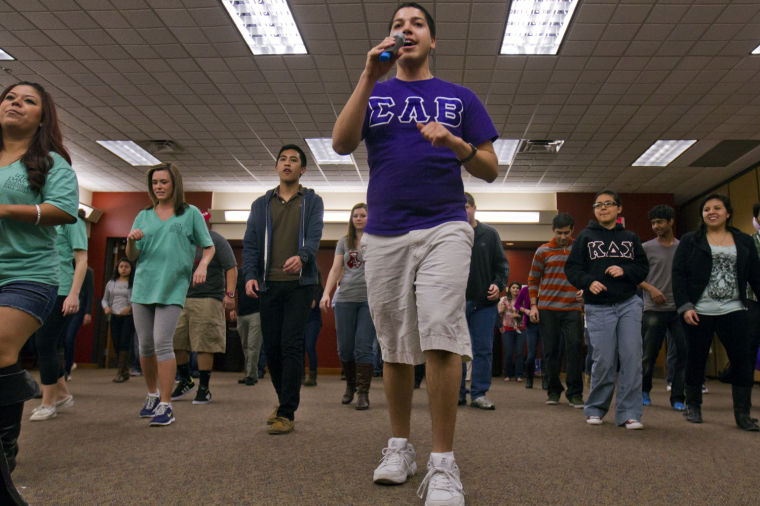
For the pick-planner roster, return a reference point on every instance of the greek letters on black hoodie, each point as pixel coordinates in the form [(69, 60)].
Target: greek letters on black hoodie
[(597, 248)]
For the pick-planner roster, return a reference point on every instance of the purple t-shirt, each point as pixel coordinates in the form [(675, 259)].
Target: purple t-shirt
[(413, 185)]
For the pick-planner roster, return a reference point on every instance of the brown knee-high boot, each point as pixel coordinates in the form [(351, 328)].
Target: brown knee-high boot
[(349, 368), (363, 380)]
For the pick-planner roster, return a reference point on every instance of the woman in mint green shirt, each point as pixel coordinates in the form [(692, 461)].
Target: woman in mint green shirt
[(38, 190), (163, 241)]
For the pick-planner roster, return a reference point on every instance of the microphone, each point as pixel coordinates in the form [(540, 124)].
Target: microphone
[(390, 52)]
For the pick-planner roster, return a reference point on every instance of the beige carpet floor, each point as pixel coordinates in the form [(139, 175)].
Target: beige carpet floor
[(524, 452)]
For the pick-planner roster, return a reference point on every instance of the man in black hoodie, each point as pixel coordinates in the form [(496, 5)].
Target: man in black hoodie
[(489, 271), (608, 262)]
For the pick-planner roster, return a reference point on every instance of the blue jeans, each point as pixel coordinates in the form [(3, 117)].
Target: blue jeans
[(310, 334), (513, 344), (480, 321), (70, 338), (531, 340), (615, 333), (356, 332)]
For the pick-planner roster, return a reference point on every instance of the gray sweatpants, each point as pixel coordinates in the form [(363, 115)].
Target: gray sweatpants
[(615, 334), (155, 324)]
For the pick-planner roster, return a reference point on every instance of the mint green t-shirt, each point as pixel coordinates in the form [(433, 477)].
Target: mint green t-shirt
[(27, 251), (70, 237), (167, 251)]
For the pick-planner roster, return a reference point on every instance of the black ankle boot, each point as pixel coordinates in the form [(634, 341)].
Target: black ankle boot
[(349, 368), (693, 403), (742, 405)]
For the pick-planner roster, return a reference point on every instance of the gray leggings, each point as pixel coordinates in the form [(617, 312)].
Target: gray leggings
[(155, 324)]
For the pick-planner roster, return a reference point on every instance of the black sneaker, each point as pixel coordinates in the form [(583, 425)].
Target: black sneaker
[(553, 399), (203, 396), (183, 387)]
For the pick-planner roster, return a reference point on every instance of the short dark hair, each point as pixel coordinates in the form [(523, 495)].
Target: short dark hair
[(428, 17), (562, 220), (611, 193), (470, 199), (662, 212), (295, 148), (756, 209)]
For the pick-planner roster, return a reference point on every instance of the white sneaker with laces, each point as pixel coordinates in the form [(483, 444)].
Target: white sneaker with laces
[(444, 488), (397, 464), (41, 413)]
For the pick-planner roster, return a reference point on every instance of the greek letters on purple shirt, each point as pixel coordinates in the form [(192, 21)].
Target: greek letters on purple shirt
[(414, 185)]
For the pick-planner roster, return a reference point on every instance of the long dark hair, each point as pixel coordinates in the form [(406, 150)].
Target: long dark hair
[(726, 202), (509, 289), (131, 270), (37, 159), (351, 235)]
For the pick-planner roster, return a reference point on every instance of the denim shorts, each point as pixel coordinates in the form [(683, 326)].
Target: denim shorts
[(31, 297)]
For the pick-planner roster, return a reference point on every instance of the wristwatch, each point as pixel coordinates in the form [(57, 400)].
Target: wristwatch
[(470, 156), (231, 295)]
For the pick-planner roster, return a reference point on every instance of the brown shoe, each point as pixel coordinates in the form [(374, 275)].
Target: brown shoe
[(273, 417), (281, 425), (350, 369), (363, 380)]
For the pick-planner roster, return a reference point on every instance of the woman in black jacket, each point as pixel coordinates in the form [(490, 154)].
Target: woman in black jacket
[(711, 269)]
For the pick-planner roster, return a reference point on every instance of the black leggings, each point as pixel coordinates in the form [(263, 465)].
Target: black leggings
[(732, 330), (122, 330), (47, 340)]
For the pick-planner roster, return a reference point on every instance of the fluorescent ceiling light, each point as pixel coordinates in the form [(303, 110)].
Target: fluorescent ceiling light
[(130, 153), (267, 26), (5, 56), (330, 216), (505, 150), (756, 50), (508, 216), (536, 26), (661, 153), (323, 152)]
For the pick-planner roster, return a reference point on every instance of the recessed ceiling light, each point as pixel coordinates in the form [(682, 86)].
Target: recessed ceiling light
[(267, 26), (323, 152), (130, 153), (5, 56), (508, 216), (756, 50), (505, 150), (536, 26), (662, 152)]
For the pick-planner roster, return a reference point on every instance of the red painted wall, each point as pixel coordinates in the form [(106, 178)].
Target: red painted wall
[(119, 211), (636, 207)]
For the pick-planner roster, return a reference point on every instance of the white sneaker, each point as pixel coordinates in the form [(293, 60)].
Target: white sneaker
[(64, 403), (594, 420), (444, 488), (397, 464), (633, 424), (668, 387), (704, 389), (41, 413)]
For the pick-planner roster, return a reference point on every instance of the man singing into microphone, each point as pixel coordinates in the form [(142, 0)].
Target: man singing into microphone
[(417, 243)]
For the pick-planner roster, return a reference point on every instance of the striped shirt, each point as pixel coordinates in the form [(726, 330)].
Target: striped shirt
[(547, 282)]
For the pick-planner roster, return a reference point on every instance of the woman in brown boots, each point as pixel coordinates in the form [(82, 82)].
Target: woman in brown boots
[(116, 304), (353, 323)]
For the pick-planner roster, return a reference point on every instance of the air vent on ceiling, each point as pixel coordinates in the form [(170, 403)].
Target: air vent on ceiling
[(161, 147), (725, 153), (539, 146)]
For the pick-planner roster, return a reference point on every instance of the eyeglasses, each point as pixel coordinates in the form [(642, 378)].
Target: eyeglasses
[(605, 205)]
